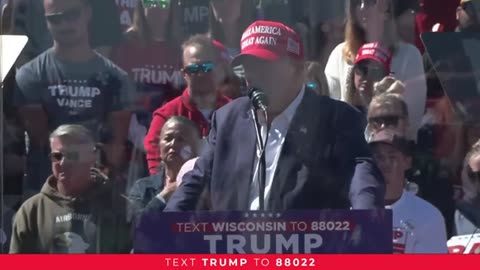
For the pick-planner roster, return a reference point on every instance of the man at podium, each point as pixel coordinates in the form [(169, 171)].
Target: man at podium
[(316, 156)]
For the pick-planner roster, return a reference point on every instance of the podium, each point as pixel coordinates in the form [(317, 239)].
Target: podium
[(258, 232)]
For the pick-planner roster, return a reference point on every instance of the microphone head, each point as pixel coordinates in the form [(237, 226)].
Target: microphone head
[(258, 98)]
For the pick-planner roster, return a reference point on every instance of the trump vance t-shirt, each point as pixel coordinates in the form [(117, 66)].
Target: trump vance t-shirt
[(74, 92)]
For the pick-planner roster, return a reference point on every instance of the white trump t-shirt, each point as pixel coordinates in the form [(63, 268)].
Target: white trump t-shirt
[(418, 227)]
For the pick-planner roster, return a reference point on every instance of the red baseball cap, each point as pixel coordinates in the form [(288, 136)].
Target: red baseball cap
[(269, 41), (374, 51)]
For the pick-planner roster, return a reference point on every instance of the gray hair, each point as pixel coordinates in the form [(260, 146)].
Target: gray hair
[(76, 133)]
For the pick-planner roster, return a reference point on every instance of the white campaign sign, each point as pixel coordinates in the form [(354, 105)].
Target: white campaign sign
[(464, 244)]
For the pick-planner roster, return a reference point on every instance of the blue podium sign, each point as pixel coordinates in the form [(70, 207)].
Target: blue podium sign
[(290, 232)]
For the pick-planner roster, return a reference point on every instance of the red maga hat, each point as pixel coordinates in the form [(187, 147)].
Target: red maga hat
[(269, 41), (374, 51)]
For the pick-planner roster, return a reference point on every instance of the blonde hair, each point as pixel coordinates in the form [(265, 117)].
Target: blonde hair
[(390, 100), (355, 36)]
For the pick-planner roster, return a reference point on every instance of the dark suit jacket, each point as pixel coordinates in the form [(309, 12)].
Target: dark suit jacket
[(325, 161)]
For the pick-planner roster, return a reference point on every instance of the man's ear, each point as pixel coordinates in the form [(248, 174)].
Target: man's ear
[(457, 14)]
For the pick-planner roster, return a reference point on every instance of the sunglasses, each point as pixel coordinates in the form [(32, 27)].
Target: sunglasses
[(473, 175), (364, 3), (70, 15), (385, 121), (199, 68), (312, 85), (372, 72), (162, 4), (67, 156)]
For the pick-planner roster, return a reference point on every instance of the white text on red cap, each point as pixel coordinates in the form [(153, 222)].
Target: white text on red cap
[(262, 40), (261, 29)]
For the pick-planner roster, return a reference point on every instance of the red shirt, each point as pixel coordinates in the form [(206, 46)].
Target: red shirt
[(180, 106)]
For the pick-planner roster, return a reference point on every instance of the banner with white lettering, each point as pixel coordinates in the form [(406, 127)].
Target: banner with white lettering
[(290, 232)]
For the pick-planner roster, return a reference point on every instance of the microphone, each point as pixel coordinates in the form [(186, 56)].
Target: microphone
[(260, 102), (258, 98)]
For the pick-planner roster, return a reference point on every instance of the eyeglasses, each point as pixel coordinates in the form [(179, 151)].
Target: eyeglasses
[(162, 4), (364, 3), (385, 121), (199, 68), (70, 15), (370, 71), (473, 175), (56, 157)]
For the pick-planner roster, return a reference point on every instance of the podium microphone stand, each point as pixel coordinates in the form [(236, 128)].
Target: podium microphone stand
[(261, 144)]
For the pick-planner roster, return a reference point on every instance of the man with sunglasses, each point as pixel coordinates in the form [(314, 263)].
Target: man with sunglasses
[(201, 61), (71, 83), (468, 16), (316, 154), (388, 111), (76, 200)]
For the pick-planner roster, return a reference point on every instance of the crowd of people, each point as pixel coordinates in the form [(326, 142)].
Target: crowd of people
[(118, 108)]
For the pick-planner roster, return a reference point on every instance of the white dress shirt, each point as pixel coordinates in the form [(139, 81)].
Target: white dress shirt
[(276, 138)]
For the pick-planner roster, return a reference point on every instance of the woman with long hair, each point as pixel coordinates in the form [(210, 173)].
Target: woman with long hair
[(371, 21)]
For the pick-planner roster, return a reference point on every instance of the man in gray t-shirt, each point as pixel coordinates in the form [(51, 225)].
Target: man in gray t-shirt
[(71, 84), (82, 93)]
